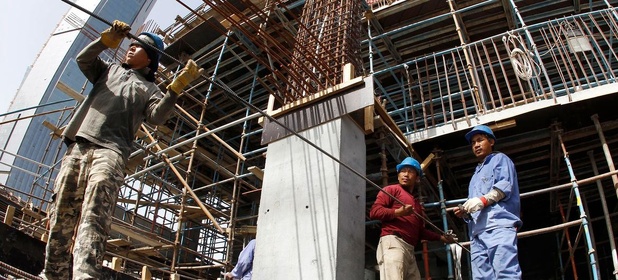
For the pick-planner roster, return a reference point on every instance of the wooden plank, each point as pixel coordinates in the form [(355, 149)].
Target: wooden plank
[(317, 96), (348, 72), (118, 242), (116, 264), (368, 126), (427, 161), (356, 95), (259, 173), (136, 235), (146, 274), (69, 91), (8, 218), (56, 132), (392, 126)]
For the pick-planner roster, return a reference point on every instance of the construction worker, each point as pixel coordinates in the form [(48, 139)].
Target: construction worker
[(99, 138), (492, 210), (402, 228), (244, 267)]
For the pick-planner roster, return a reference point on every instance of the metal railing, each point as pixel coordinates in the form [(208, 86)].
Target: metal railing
[(541, 62)]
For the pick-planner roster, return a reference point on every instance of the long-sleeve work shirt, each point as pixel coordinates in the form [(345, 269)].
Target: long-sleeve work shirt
[(410, 228), (496, 171), (244, 267), (120, 100)]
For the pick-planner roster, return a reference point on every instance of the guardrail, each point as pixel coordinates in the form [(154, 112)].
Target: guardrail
[(539, 63)]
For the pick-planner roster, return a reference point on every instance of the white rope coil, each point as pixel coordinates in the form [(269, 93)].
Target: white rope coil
[(521, 64), (520, 58)]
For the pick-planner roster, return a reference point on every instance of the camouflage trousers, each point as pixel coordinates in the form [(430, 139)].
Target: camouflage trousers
[(85, 191)]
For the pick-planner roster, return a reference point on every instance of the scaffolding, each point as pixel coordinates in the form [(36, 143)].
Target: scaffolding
[(191, 195)]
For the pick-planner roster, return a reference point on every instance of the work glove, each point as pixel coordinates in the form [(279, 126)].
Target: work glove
[(474, 204), (112, 36), (186, 76)]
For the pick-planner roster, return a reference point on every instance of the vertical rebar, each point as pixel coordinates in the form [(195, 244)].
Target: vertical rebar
[(331, 34)]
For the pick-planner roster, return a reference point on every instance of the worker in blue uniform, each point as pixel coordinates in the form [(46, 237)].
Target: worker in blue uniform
[(244, 267), (492, 210)]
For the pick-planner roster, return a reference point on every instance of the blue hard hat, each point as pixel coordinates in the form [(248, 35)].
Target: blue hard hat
[(480, 129), (153, 42), (410, 162), (152, 39)]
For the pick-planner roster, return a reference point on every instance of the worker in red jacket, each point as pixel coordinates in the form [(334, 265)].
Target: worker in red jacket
[(402, 229)]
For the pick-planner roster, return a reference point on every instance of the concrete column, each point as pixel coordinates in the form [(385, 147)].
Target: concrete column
[(311, 222)]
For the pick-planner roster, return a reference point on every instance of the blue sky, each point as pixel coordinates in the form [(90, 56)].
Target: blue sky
[(25, 25)]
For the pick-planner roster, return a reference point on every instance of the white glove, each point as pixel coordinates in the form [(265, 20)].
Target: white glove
[(474, 204)]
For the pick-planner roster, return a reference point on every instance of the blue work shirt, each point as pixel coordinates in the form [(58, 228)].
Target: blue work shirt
[(244, 267), (496, 171)]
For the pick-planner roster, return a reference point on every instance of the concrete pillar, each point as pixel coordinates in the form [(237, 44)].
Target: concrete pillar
[(174, 276), (311, 222)]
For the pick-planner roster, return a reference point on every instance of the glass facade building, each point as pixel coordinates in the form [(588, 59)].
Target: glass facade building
[(30, 158)]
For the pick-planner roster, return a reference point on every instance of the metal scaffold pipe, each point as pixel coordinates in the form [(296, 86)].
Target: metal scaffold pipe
[(608, 154), (608, 222), (190, 140), (582, 212), (447, 248)]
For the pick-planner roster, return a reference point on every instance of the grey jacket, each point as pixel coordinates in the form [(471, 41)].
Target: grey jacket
[(120, 100)]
